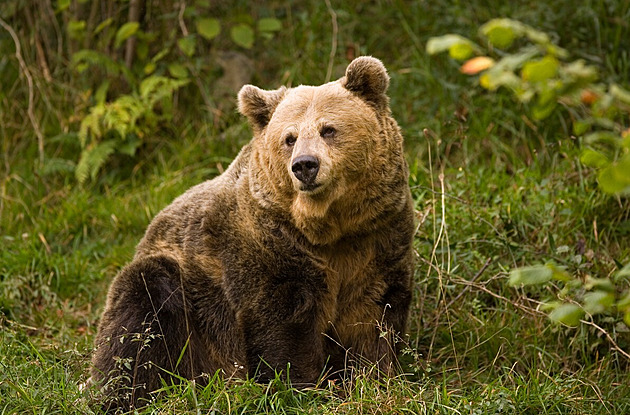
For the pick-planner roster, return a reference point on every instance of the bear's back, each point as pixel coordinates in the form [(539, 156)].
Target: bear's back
[(180, 225)]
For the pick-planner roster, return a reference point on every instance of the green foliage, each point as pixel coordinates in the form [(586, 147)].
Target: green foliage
[(458, 47), (121, 125), (537, 72), (243, 35), (536, 275), (208, 28), (588, 296), (127, 72), (125, 32)]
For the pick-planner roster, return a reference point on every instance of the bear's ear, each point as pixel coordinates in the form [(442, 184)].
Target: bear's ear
[(258, 105), (367, 77)]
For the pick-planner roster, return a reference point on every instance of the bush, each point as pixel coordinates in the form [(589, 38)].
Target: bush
[(526, 62), (539, 74)]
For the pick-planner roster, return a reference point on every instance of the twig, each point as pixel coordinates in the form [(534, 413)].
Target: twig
[(474, 278), (180, 18), (333, 48), (29, 80), (528, 310), (615, 346), (41, 57), (53, 19)]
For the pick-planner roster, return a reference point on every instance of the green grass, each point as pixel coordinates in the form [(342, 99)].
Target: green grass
[(493, 191)]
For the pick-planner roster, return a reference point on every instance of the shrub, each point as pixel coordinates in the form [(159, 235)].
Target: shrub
[(539, 74)]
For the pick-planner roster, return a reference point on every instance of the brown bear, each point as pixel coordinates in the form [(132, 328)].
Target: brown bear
[(297, 259)]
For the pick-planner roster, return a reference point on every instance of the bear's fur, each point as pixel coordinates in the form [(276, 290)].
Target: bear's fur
[(298, 258)]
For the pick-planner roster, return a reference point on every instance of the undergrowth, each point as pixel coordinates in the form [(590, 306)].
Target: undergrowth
[(493, 190)]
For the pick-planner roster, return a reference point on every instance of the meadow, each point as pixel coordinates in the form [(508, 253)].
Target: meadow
[(495, 190)]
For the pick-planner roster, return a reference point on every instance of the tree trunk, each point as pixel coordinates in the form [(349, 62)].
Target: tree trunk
[(134, 16)]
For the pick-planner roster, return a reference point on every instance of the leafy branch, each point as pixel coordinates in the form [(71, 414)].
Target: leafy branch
[(537, 72), (579, 298), (115, 126)]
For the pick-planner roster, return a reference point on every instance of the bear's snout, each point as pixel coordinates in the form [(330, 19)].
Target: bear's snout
[(305, 169)]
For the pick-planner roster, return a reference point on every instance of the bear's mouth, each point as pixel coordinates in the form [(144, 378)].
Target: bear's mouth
[(310, 188)]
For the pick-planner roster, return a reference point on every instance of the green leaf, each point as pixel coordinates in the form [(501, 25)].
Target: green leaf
[(100, 95), (605, 137), (142, 49), (559, 273), (53, 166), (569, 314), (160, 55), (76, 29), (243, 35), (530, 275), (460, 51), (92, 159), (269, 24), (125, 32), (187, 45), (620, 93), (615, 178), (580, 70), (208, 28), (85, 58), (155, 88), (493, 79), (149, 68), (457, 46), (623, 272), (63, 5), (542, 110), (177, 70), (102, 25), (91, 125), (516, 60), (501, 37), (130, 145), (538, 37), (551, 49), (581, 126), (540, 70), (549, 306), (624, 303), (598, 301), (501, 32), (593, 158)]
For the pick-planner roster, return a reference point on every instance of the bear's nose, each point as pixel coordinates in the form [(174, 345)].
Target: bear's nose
[(305, 168)]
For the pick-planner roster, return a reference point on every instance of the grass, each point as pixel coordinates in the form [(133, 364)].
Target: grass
[(493, 191)]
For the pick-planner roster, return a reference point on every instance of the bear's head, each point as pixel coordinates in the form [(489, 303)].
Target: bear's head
[(324, 153)]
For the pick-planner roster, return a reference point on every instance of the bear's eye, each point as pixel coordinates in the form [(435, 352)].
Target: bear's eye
[(290, 140), (327, 132)]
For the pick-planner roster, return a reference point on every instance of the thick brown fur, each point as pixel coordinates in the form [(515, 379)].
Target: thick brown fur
[(259, 271)]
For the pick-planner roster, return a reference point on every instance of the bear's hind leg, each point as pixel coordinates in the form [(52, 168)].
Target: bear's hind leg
[(146, 333)]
